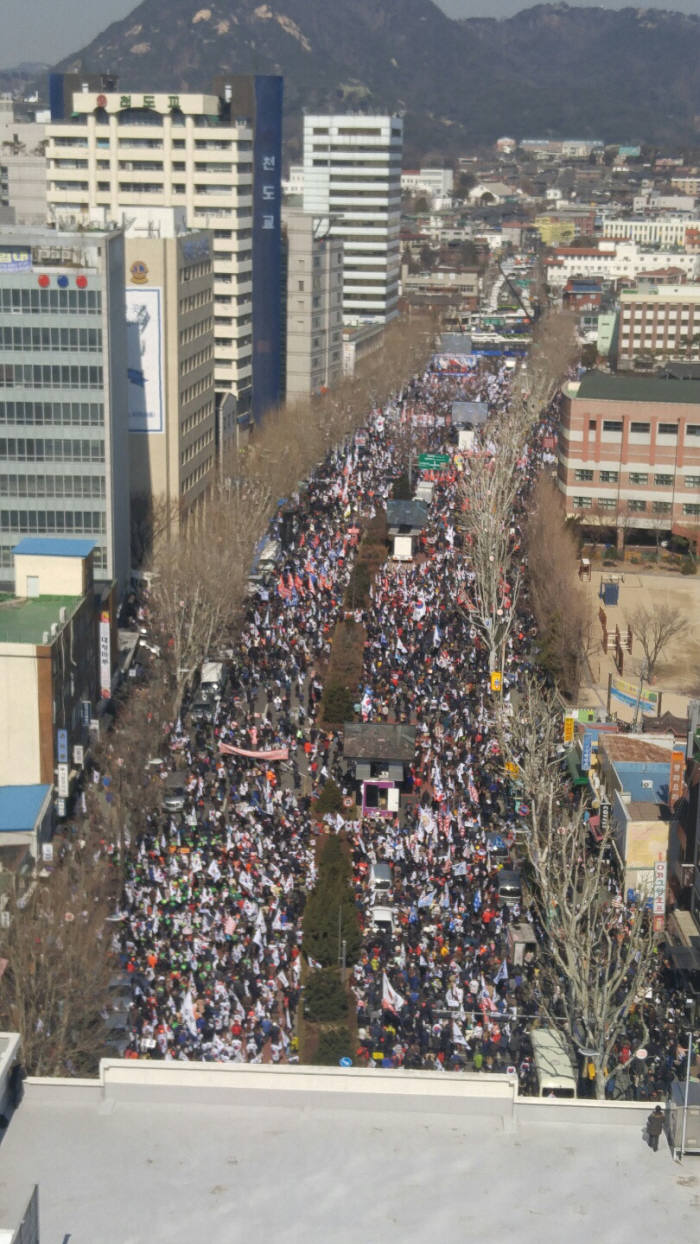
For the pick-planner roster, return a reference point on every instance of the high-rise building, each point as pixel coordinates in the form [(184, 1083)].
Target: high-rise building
[(170, 349), (218, 156), (314, 305), (352, 174), (64, 460)]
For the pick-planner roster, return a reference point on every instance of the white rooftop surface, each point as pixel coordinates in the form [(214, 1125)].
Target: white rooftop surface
[(131, 1172)]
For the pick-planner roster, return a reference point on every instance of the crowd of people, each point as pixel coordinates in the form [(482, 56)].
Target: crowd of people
[(210, 926)]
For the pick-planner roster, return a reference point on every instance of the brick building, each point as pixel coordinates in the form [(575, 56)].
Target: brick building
[(629, 453)]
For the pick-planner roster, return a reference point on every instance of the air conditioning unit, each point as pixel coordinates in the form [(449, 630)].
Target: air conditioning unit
[(63, 614), (54, 629), (45, 637)]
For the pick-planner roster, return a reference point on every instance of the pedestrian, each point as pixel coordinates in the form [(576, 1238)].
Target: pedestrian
[(655, 1126)]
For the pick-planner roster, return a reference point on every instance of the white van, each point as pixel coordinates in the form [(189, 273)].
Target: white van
[(556, 1076), (383, 920), (211, 679), (380, 879)]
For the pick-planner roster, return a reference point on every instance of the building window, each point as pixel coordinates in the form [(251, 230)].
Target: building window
[(668, 429), (591, 425), (692, 429), (637, 507), (606, 503), (662, 507), (641, 428), (663, 481), (612, 425), (583, 477), (638, 477), (608, 477), (692, 481), (691, 508), (582, 503)]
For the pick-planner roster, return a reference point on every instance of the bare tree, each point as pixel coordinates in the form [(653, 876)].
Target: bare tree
[(559, 600), (55, 989), (655, 626), (597, 952)]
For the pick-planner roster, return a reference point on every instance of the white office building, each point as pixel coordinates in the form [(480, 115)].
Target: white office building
[(121, 151), (352, 174)]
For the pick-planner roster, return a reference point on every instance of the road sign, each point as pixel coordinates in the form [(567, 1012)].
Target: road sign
[(432, 462), (512, 768), (496, 680)]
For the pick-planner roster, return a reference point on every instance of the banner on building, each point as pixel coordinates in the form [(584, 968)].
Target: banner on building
[(676, 778), (62, 785), (105, 656), (15, 261), (659, 896), (586, 750), (629, 693), (144, 349)]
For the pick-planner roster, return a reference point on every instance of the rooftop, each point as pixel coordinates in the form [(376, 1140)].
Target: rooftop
[(20, 807), (54, 546), (638, 810), (412, 514), (25, 620), (378, 740), (598, 386), (627, 748), (174, 1165)]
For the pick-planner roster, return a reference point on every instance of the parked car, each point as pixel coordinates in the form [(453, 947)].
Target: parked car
[(174, 795)]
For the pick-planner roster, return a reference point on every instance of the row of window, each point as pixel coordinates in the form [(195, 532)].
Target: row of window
[(42, 522), (48, 376), (26, 449), (192, 302), (204, 413), (78, 340), (195, 449), (52, 485), (633, 506), (35, 299), (58, 414), (661, 480), (643, 429), (198, 359), (198, 329)]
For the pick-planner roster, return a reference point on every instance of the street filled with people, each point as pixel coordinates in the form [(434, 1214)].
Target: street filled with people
[(209, 928)]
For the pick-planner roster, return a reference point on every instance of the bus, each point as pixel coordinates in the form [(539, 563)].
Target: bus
[(556, 1075)]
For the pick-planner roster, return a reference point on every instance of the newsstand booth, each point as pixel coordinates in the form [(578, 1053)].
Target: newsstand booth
[(378, 756)]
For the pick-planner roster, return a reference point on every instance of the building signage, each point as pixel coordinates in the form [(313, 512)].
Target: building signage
[(568, 729), (604, 817), (15, 261), (62, 784), (659, 895), (105, 656), (496, 680), (138, 272), (676, 778), (586, 750), (144, 350), (629, 693), (78, 755), (62, 747)]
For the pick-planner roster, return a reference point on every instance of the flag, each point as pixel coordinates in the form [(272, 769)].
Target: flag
[(214, 871), (188, 1016), (419, 610), (502, 973), (477, 901), (391, 1000), (457, 1034)]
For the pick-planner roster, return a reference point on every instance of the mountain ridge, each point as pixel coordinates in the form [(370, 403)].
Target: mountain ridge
[(586, 72)]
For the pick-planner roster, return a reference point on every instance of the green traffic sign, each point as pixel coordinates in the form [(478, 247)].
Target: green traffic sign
[(431, 462)]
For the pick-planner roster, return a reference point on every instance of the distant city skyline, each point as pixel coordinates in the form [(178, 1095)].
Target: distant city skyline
[(35, 31)]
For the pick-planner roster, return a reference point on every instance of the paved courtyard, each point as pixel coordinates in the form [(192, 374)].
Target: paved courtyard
[(132, 1173)]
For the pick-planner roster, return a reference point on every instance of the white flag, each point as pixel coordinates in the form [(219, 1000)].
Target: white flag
[(188, 1015), (457, 1034), (391, 1000)]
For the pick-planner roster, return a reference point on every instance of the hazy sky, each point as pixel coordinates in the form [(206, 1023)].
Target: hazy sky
[(47, 30)]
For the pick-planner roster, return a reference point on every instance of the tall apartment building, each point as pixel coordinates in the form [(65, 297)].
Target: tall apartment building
[(352, 174), (658, 324), (629, 452), (170, 349), (218, 156), (64, 459), (314, 305)]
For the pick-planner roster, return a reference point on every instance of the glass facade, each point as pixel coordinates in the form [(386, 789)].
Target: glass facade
[(52, 409)]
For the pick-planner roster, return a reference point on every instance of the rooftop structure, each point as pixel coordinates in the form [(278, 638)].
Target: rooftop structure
[(20, 807), (379, 741), (218, 1153)]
